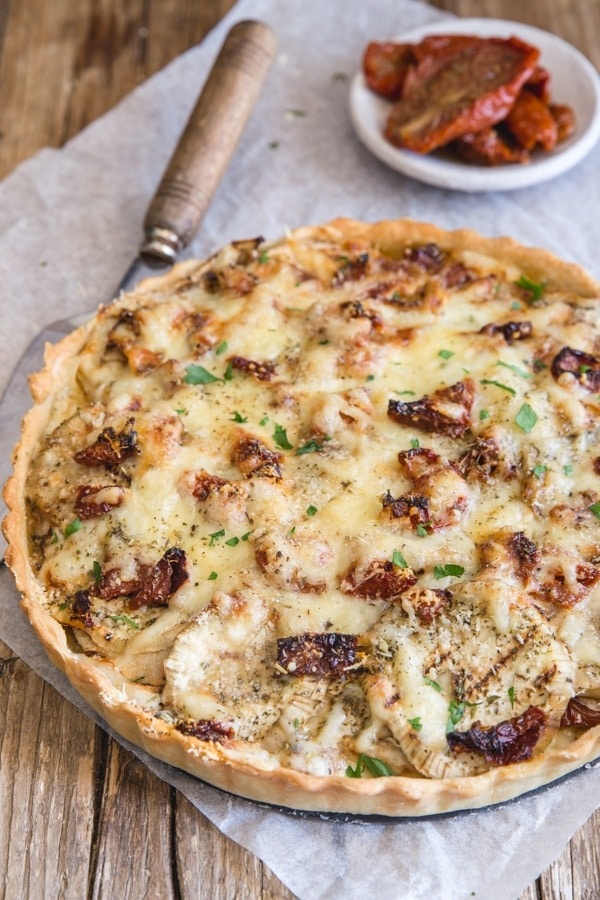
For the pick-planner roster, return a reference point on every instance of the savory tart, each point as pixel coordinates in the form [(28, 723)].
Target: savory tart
[(318, 520)]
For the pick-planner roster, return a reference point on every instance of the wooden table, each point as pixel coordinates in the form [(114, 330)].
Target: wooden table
[(80, 817)]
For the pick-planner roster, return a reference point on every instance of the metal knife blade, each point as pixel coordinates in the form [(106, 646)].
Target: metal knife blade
[(178, 205)]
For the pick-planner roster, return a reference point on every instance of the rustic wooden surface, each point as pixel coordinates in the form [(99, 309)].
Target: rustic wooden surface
[(80, 816)]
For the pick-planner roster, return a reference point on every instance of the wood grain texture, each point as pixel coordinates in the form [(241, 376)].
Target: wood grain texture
[(81, 817)]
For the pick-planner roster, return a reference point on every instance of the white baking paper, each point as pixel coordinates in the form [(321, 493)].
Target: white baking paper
[(69, 225)]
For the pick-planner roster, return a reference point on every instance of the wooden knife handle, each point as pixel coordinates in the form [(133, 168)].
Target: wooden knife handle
[(209, 140)]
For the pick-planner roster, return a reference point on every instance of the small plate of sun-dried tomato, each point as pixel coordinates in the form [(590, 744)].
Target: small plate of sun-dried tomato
[(486, 105)]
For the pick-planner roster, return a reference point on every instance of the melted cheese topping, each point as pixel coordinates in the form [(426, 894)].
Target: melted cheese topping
[(337, 442)]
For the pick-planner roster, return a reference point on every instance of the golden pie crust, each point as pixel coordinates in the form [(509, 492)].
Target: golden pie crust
[(289, 517)]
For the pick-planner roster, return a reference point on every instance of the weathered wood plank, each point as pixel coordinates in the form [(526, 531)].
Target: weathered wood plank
[(63, 64), (120, 832), (132, 852), (578, 23), (210, 866), (46, 785)]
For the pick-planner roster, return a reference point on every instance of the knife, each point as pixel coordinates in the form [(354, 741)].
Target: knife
[(179, 203)]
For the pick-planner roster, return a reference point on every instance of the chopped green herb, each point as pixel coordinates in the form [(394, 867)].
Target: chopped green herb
[(182, 411), (232, 541), (446, 354), (416, 723), (398, 560), (456, 711), (568, 469), (526, 418), (448, 571), (370, 378), (72, 527), (511, 697), (311, 511), (434, 684), (54, 539), (213, 576), (421, 530), (539, 365), (125, 620), (310, 447), (595, 509), (238, 417), (246, 536), (516, 305), (97, 572), (264, 421), (404, 393), (483, 415), (216, 536), (199, 375), (415, 444), (221, 348), (538, 471), (281, 439), (263, 256), (498, 384), (515, 369), (373, 765), (296, 723), (228, 373), (534, 288)]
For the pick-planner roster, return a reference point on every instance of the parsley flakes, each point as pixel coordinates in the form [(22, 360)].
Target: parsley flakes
[(448, 571), (526, 418), (199, 375), (281, 439), (374, 766)]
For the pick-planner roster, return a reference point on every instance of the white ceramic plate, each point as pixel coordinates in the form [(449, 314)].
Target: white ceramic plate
[(574, 81)]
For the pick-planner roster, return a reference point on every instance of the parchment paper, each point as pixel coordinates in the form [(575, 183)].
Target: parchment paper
[(70, 223)]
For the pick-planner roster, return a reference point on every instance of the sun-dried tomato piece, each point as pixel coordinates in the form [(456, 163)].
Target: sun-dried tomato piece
[(568, 591), (540, 83), (162, 580), (508, 742), (93, 501), (565, 120), (110, 448), (380, 580), (414, 508), (152, 585), (81, 608), (583, 366), (352, 268), (427, 257), (354, 309), (262, 371), (206, 730), (466, 91), (314, 653), (385, 66), (510, 331), (580, 715), (488, 148), (455, 276), (429, 603), (204, 484), (525, 554), (531, 123), (253, 457), (447, 411)]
